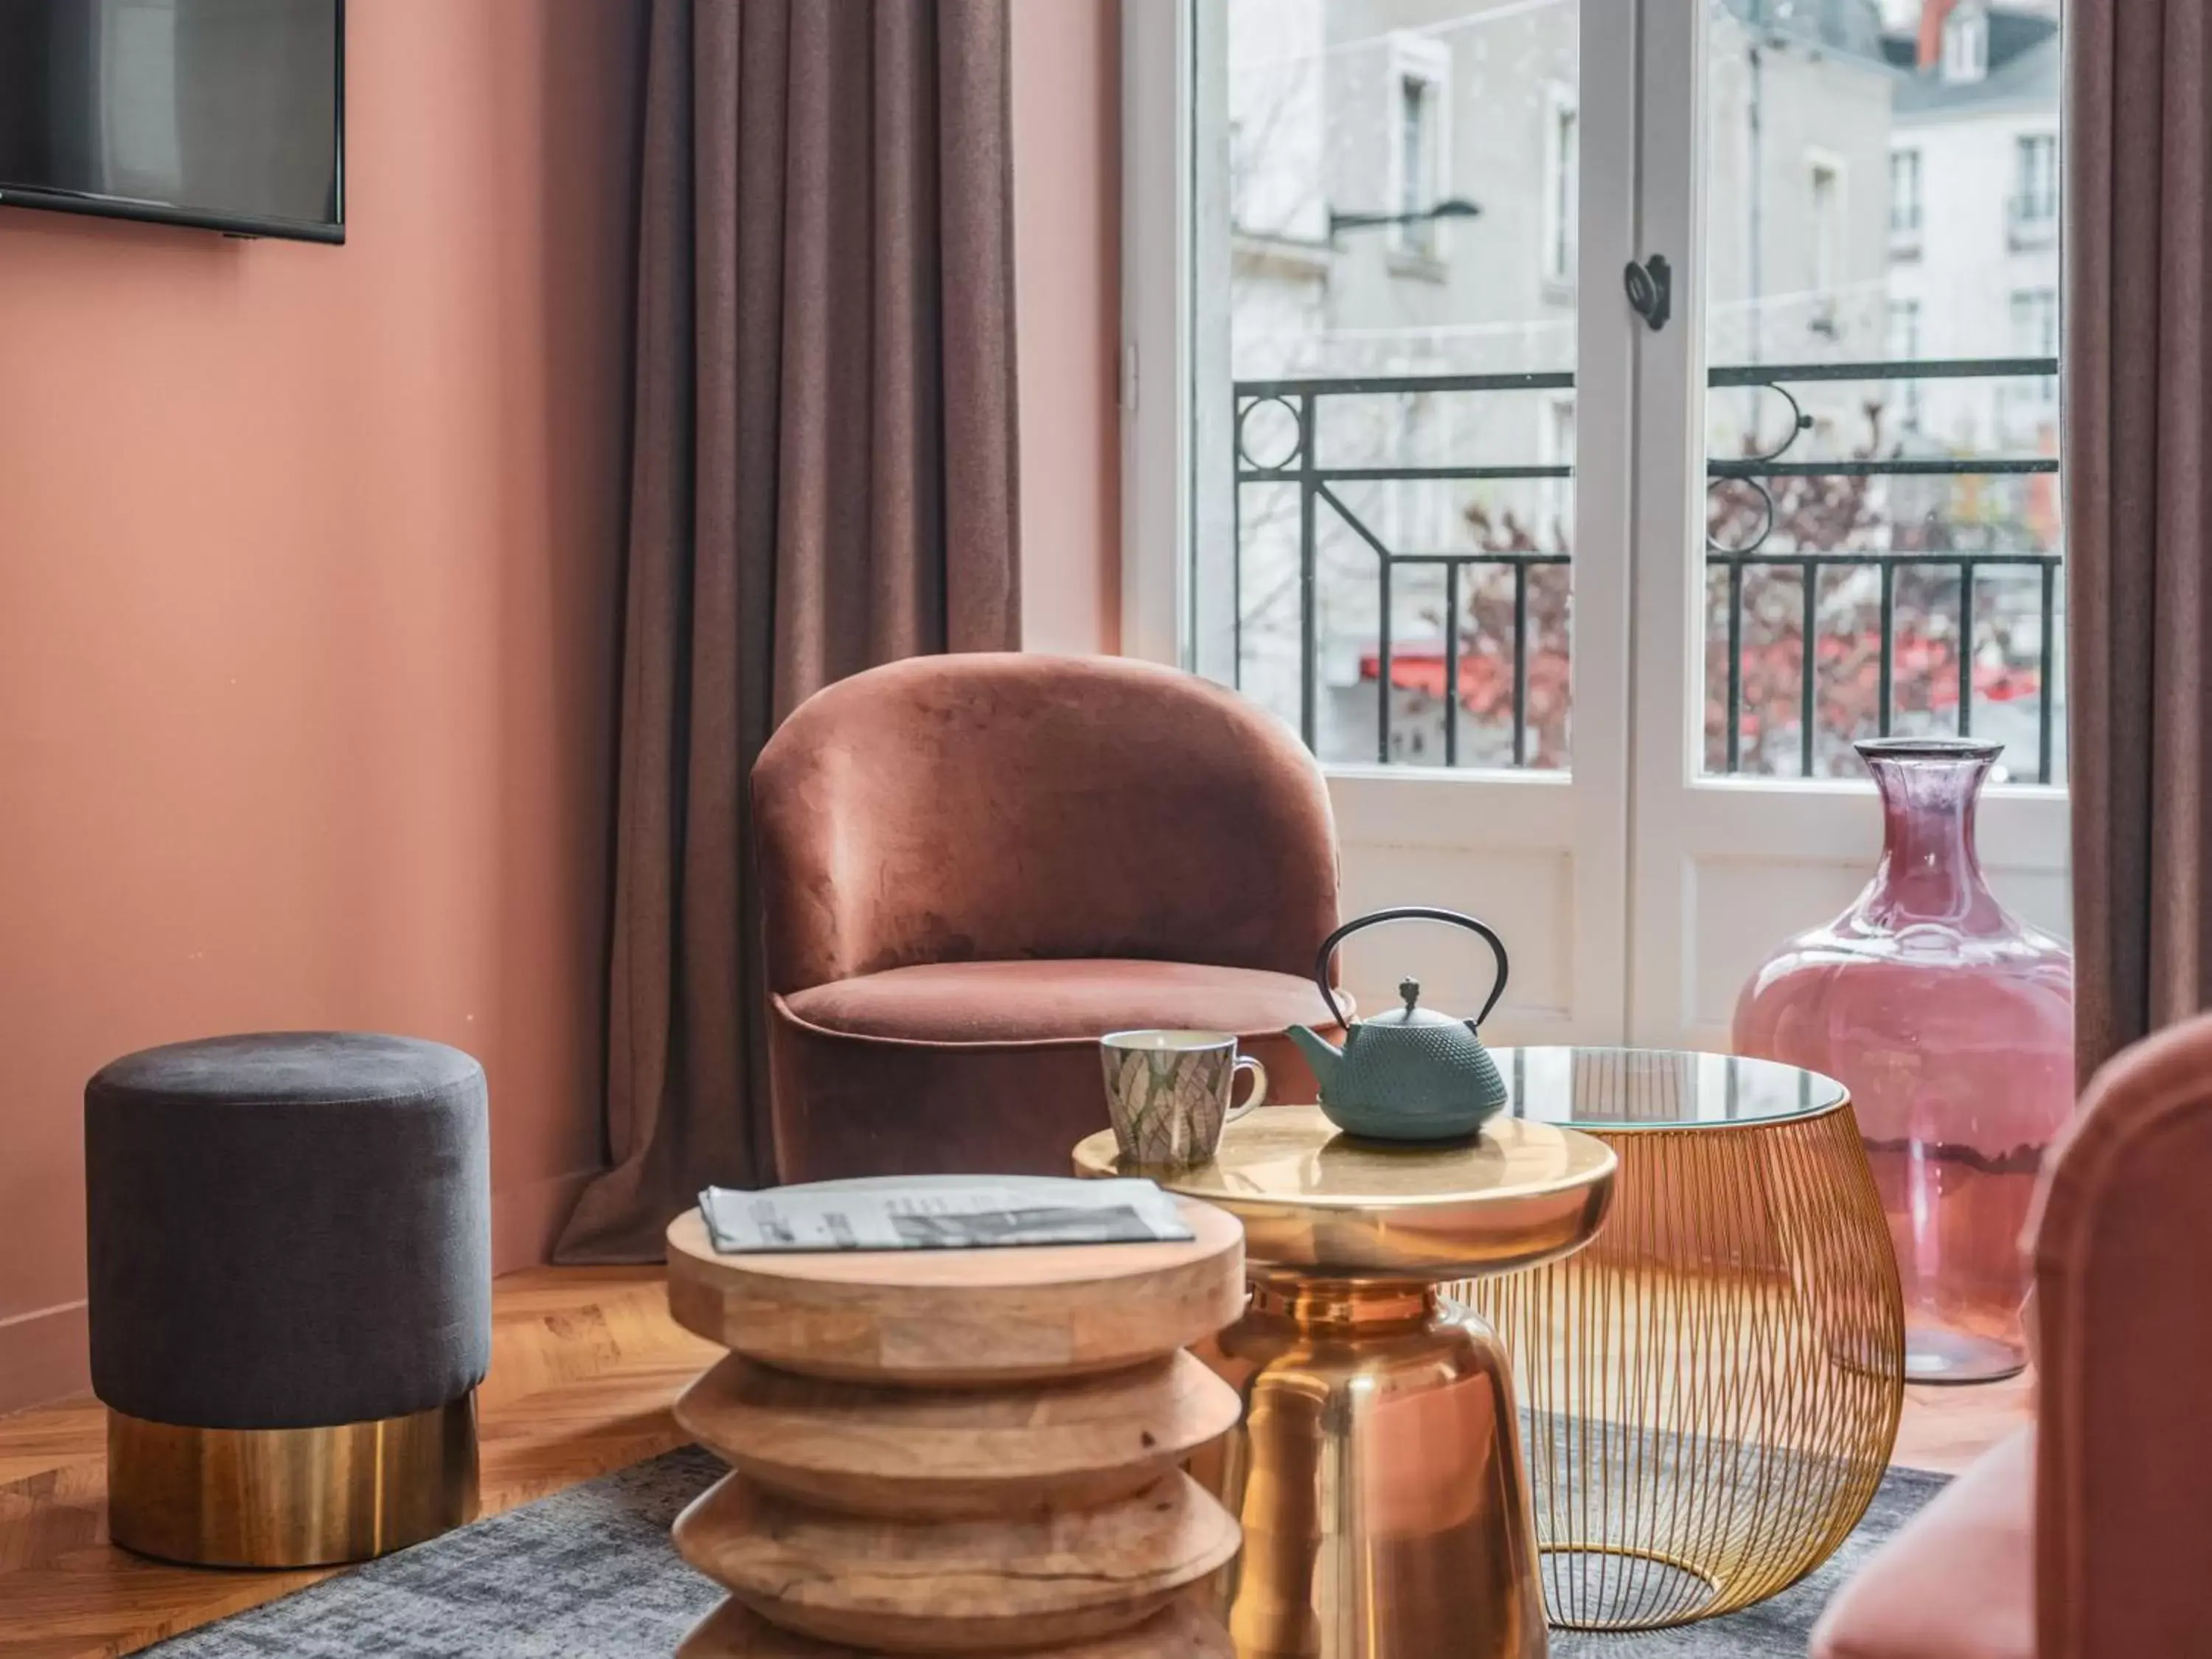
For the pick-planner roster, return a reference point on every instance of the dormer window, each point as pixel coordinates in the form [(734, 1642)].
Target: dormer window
[(1966, 44)]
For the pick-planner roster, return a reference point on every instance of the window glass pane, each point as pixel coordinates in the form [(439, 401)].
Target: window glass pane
[(1881, 417), (1410, 151), (1563, 188), (1401, 315), (1904, 193)]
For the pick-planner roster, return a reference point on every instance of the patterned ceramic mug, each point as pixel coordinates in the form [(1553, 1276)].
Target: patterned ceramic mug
[(1168, 1093)]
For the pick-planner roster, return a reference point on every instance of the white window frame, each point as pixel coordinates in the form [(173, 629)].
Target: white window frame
[(1557, 419), (1907, 309), (1904, 308), (1546, 837), (1162, 222), (1423, 61), (1637, 796), (1907, 160), (2035, 169), (2037, 307), (2034, 310), (1966, 44), (1562, 189), (1697, 837), (1826, 231)]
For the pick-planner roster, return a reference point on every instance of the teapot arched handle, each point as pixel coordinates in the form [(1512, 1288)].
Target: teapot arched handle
[(1408, 913)]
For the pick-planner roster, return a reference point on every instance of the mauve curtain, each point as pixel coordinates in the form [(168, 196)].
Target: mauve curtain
[(2139, 512), (822, 479)]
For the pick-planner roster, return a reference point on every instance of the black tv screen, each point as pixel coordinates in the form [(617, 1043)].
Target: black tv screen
[(228, 114)]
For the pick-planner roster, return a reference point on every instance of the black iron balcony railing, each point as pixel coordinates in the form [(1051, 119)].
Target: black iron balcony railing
[(1301, 465)]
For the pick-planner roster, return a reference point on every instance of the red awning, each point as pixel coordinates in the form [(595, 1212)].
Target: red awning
[(1483, 676)]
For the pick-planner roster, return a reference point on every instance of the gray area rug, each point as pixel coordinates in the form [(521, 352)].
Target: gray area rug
[(589, 1574)]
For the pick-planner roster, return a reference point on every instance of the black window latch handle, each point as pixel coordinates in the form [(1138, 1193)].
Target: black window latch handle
[(1650, 289)]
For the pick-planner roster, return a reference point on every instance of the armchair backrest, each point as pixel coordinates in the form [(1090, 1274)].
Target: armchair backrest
[(1002, 805), (2124, 1304)]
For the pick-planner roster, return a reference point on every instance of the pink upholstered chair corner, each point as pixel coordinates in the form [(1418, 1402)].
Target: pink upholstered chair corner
[(971, 866), (2088, 1535)]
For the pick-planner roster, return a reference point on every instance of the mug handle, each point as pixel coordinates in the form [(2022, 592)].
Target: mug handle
[(1259, 1096)]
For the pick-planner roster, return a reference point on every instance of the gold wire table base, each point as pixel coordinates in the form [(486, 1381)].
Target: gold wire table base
[(1712, 1387)]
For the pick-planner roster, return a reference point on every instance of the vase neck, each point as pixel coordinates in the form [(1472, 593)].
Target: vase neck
[(1929, 869)]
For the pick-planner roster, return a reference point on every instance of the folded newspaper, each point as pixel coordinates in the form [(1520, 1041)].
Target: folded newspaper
[(940, 1212)]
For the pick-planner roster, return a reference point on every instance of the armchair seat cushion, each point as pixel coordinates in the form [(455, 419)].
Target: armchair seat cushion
[(991, 1067), (1056, 1001), (1957, 1582)]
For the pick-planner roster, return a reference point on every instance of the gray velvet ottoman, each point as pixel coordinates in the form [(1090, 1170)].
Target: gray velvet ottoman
[(291, 1293)]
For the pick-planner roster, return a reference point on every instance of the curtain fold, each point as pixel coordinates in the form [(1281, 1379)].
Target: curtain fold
[(822, 479), (2138, 513)]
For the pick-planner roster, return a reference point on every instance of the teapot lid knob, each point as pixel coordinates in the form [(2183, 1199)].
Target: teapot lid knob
[(1411, 990)]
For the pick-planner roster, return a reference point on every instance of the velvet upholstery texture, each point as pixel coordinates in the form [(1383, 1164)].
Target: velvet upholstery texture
[(1966, 1589), (972, 868), (291, 1229), (2088, 1537)]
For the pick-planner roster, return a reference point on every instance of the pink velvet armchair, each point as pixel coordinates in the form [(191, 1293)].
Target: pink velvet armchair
[(972, 867), (2089, 1534)]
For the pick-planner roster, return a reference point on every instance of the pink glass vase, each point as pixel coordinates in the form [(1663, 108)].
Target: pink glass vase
[(1951, 1022)]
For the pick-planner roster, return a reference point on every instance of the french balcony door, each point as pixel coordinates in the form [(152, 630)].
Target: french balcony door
[(1579, 584)]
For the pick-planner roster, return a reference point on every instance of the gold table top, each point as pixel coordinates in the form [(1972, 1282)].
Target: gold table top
[(1319, 1203)]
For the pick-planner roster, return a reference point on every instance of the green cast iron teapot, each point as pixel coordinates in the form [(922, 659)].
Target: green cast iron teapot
[(1412, 1073)]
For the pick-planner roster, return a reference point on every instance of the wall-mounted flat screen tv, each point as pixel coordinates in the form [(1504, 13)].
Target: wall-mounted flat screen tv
[(228, 114)]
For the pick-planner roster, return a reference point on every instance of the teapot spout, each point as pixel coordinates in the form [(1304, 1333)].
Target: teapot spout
[(1320, 1054)]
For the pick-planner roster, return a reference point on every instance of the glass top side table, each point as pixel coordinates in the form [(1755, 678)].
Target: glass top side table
[(1377, 1471), (1603, 1090), (1713, 1387)]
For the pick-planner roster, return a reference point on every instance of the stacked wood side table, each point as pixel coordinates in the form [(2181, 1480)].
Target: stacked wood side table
[(959, 1451)]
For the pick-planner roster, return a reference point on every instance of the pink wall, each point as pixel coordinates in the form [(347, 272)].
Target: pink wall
[(305, 634), (1067, 252), (306, 559)]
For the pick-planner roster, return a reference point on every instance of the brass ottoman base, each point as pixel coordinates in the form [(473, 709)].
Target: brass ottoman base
[(290, 1498)]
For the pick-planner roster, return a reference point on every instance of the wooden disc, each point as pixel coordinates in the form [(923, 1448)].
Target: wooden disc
[(1178, 1631), (954, 1586), (913, 1452), (954, 1318)]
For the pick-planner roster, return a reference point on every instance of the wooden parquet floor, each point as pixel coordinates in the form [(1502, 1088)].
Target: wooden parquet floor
[(586, 1363)]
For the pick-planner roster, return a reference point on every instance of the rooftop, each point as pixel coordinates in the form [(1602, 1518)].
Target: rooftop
[(1852, 27), (2023, 70)]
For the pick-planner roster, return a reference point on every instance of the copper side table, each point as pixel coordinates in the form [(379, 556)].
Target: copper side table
[(1713, 1387), (1377, 1471)]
